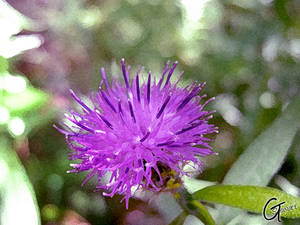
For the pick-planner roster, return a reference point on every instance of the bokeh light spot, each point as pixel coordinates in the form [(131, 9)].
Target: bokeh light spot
[(50, 212), (55, 182), (267, 100), (4, 115), (14, 84), (3, 171), (16, 126)]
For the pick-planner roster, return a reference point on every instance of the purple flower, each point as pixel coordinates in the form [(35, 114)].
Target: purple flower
[(135, 132)]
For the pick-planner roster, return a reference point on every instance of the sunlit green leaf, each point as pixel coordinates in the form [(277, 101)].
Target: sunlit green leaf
[(27, 100), (3, 64), (192, 185), (251, 198), (18, 202)]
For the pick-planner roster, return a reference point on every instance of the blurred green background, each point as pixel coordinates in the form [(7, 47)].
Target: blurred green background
[(248, 52)]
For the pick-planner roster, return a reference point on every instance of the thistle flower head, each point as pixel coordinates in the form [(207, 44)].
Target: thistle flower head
[(136, 131)]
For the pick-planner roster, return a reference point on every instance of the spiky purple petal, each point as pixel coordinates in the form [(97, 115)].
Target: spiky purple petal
[(134, 129)]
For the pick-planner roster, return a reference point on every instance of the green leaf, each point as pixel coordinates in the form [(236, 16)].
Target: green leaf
[(3, 65), (192, 185), (263, 158), (18, 202), (251, 198), (39, 118), (201, 212), (27, 100)]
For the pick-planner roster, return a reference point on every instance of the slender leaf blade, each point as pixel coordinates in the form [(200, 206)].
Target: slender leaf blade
[(251, 198), (18, 201), (262, 159)]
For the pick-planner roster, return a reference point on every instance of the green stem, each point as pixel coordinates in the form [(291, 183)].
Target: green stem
[(202, 213), (179, 220), (195, 208)]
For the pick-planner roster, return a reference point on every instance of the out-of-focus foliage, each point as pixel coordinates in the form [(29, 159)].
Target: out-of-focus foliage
[(18, 202), (250, 168), (19, 105), (248, 52)]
